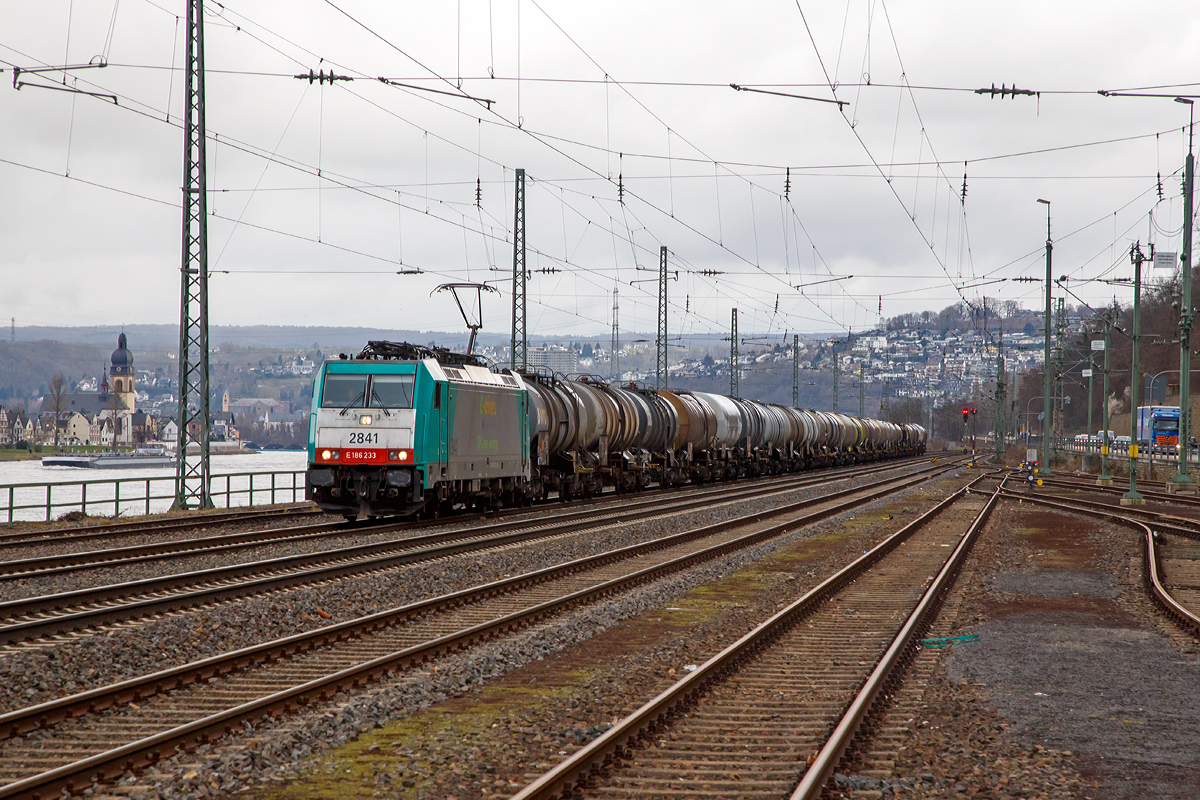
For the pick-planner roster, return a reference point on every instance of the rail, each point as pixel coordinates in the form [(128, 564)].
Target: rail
[(27, 502)]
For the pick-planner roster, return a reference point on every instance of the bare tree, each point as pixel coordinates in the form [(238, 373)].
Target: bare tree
[(57, 395), (115, 406)]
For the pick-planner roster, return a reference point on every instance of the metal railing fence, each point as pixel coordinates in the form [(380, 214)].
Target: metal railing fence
[(115, 496)]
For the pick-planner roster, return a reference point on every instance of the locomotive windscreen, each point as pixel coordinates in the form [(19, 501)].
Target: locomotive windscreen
[(342, 391), (391, 391)]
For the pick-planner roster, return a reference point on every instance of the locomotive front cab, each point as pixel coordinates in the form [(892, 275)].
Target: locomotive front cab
[(364, 453)]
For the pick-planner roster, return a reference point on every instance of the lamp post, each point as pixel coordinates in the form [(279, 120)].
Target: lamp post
[(1182, 482), (1150, 402), (1047, 403), (1154, 379)]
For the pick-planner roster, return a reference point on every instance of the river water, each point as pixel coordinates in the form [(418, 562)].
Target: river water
[(230, 485)]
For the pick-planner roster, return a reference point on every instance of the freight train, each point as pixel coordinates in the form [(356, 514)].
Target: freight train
[(406, 429)]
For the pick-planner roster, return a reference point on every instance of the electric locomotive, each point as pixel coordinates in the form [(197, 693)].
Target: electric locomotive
[(401, 427)]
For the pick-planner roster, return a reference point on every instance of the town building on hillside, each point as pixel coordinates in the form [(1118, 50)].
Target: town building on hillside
[(556, 359), (256, 409), (144, 427), (221, 427), (76, 429)]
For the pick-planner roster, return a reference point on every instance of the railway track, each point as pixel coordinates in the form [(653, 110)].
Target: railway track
[(44, 534), (35, 618), (68, 743), (1170, 552), (780, 705), (1089, 485), (108, 534), (47, 565)]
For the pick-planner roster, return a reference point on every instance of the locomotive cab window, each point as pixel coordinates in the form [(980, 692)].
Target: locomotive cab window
[(342, 391), (391, 391)]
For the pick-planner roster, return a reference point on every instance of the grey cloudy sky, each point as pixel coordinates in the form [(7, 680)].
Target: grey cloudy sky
[(336, 188)]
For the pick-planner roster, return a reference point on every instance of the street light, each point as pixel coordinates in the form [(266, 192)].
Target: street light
[(1153, 383), (1046, 403)]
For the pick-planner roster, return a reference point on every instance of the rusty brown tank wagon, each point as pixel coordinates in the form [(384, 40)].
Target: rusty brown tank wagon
[(402, 429)]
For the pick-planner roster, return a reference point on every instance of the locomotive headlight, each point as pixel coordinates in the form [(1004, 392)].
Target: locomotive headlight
[(326, 455), (365, 419)]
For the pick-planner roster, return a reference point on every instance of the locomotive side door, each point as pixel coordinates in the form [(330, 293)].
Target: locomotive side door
[(444, 425)]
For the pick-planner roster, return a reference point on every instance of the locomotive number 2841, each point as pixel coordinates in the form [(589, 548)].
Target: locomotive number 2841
[(363, 437)]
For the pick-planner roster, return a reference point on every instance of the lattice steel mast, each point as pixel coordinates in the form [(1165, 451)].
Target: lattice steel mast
[(795, 370), (733, 356), (192, 469), (613, 358), (519, 348), (661, 343)]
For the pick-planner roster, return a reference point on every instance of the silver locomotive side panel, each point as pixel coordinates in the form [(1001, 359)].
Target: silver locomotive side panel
[(485, 433)]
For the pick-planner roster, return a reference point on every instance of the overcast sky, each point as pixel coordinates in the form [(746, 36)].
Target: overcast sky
[(336, 188)]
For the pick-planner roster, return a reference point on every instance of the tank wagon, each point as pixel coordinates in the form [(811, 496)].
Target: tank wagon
[(401, 429)]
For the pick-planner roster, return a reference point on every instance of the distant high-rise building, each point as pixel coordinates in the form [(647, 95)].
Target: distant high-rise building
[(556, 359)]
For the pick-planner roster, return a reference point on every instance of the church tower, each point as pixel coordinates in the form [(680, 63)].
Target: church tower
[(121, 374)]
